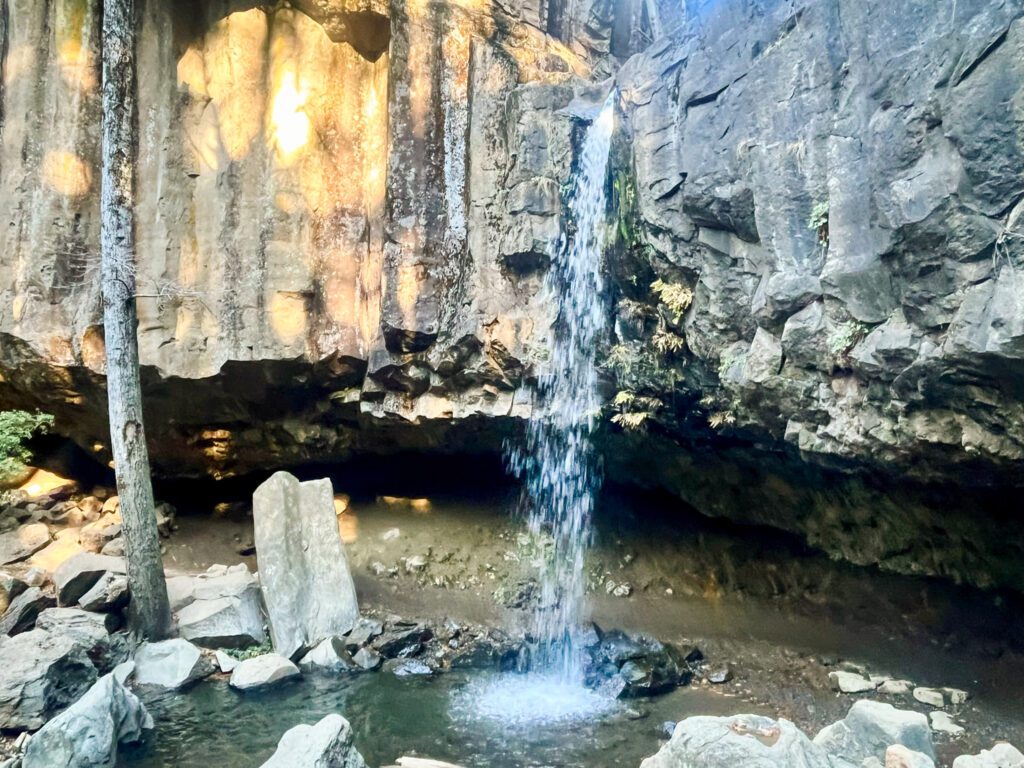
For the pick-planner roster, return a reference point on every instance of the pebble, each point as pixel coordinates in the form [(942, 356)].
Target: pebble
[(850, 682), (930, 696), (943, 723)]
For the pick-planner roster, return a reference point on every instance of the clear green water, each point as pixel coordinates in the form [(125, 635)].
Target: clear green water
[(213, 726)]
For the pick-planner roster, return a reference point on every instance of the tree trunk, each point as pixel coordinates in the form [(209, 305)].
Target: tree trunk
[(150, 612)]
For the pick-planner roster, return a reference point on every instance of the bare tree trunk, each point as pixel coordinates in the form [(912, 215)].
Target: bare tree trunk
[(149, 606)]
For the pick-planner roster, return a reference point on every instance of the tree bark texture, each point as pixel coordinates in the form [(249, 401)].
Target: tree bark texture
[(150, 612)]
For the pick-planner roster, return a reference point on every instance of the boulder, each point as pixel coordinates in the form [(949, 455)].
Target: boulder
[(96, 535), (261, 671), (172, 663), (22, 543), (871, 727), (87, 734), (110, 593), (304, 573), (328, 656), (79, 573), (409, 668), (220, 608), (362, 633), (10, 587), (90, 631), (40, 674), (21, 615), (750, 741), (328, 744), (367, 659), (1000, 756)]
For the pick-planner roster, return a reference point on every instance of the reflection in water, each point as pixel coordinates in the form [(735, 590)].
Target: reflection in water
[(212, 725)]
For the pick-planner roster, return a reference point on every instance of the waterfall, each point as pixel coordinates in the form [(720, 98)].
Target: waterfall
[(557, 461)]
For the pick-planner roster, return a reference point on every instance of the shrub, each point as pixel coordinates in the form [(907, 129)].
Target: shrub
[(16, 427)]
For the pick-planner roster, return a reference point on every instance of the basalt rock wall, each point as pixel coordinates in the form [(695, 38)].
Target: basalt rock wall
[(346, 209)]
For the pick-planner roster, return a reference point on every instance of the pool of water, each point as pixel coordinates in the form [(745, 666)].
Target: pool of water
[(213, 725)]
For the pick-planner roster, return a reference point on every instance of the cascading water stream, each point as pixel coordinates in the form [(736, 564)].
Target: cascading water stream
[(557, 461)]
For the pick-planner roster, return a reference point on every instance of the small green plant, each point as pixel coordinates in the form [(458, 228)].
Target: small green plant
[(844, 337), (819, 221), (251, 652), (676, 298), (667, 343), (634, 410), (16, 428), (639, 367), (726, 361)]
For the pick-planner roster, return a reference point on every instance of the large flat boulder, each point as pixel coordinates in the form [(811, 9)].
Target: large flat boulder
[(304, 573), (328, 744), (172, 663), (22, 543), (749, 741), (87, 734), (22, 613), (1000, 756), (80, 573), (220, 608), (41, 673)]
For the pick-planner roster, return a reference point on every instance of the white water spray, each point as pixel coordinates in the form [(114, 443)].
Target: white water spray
[(558, 463)]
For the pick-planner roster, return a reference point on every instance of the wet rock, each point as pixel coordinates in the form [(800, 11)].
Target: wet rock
[(91, 631), (328, 744), (77, 575), (304, 572), (871, 727), (743, 740), (327, 656), (409, 668), (22, 543), (21, 615), (40, 674), (367, 659), (930, 696), (110, 593), (850, 682), (402, 643), (720, 675), (667, 728), (942, 723), (647, 666), (364, 631), (262, 671), (1000, 756), (89, 732), (174, 663), (225, 662)]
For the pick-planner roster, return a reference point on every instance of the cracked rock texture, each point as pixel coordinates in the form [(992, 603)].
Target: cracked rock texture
[(346, 208)]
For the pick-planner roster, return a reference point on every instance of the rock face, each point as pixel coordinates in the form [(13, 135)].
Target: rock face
[(334, 271), (304, 573), (328, 744), (89, 731)]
